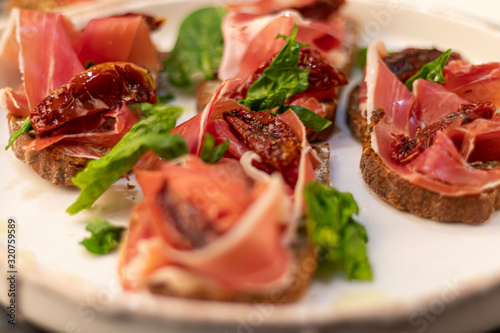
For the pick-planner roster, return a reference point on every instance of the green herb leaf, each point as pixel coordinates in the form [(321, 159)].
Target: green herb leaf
[(104, 236), (152, 133), (330, 226), (25, 128), (309, 119), (361, 57), (266, 102), (432, 71), (198, 47), (149, 109), (89, 64), (281, 80), (212, 153)]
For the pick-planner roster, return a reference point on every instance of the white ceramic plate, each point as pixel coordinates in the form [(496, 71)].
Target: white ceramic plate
[(427, 276)]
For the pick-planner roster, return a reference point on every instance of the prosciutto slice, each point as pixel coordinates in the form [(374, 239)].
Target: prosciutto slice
[(432, 102), (37, 43), (444, 166), (93, 129), (475, 83), (249, 40), (246, 253), (124, 38)]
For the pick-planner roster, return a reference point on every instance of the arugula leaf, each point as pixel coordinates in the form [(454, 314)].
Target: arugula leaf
[(281, 80), (152, 133), (309, 119), (432, 71), (25, 128), (330, 226), (104, 236), (210, 152), (198, 47)]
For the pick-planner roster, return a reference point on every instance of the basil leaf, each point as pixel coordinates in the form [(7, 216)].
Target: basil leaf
[(210, 152), (432, 71), (198, 47), (152, 133), (25, 128), (281, 80), (330, 226), (104, 236), (309, 119)]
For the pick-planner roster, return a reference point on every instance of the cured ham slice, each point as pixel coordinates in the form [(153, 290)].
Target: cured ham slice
[(245, 254), (249, 40), (125, 38), (479, 141), (195, 128), (396, 105), (475, 83), (443, 167), (432, 102), (15, 103), (93, 129), (41, 70)]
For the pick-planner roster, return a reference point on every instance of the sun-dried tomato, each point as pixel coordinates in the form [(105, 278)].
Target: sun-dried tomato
[(321, 9), (408, 62), (97, 89), (323, 78), (272, 139), (406, 149), (188, 227)]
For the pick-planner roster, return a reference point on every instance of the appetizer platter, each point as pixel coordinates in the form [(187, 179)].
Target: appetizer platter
[(410, 273)]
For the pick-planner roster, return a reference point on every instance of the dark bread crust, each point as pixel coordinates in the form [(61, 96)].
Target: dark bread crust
[(355, 120), (470, 209), (303, 251), (50, 163)]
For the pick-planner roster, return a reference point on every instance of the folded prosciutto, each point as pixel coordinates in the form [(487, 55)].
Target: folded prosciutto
[(250, 34), (440, 136), (45, 78), (208, 231)]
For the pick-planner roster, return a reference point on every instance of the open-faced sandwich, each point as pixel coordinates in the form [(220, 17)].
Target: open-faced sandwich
[(251, 226), (61, 115), (430, 129), (248, 45)]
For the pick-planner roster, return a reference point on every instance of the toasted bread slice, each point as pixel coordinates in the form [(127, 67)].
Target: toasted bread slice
[(303, 251), (50, 163), (343, 60), (470, 209)]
